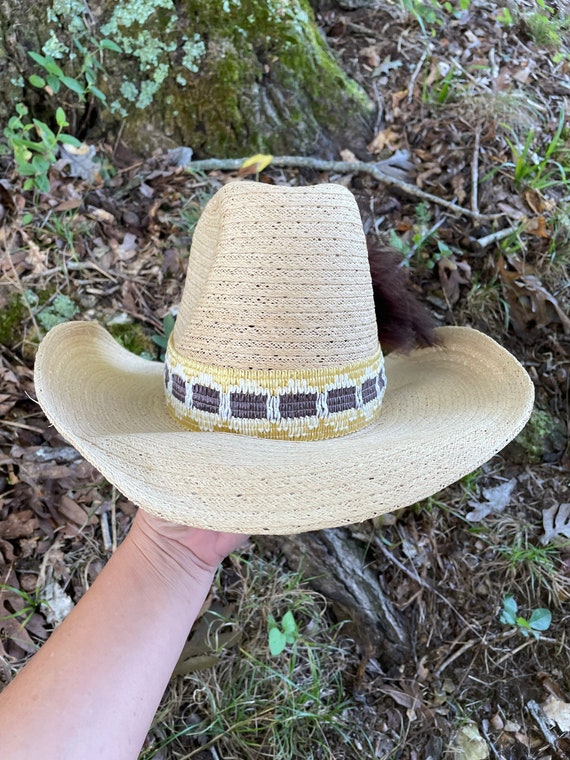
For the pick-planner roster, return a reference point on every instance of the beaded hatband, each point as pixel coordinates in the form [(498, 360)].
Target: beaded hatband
[(282, 404)]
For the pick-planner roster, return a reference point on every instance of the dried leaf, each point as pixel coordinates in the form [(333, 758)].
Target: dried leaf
[(79, 162), (556, 523), (452, 274), (497, 499), (56, 604), (128, 248), (386, 66), (71, 510), (255, 164), (19, 525), (348, 155), (558, 712), (386, 139), (370, 56), (537, 226), (530, 303), (11, 624), (468, 744)]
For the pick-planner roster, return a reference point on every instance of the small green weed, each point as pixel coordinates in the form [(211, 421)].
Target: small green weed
[(31, 603), (257, 703), (162, 340), (33, 144), (282, 635), (421, 246), (428, 13), (505, 17), (539, 620), (84, 82), (60, 309)]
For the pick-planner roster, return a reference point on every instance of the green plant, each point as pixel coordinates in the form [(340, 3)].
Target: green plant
[(83, 83), (539, 620), (162, 340), (31, 603), (535, 171), (281, 635), (422, 245), (425, 13), (33, 145), (255, 704), (505, 18), (60, 309)]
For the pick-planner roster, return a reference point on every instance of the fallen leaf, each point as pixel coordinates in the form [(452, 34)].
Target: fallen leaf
[(56, 604), (468, 744), (71, 510), (255, 164), (79, 162), (537, 202), (452, 274), (348, 155), (530, 303), (128, 248), (19, 525), (497, 498), (386, 66), (537, 226), (430, 171), (557, 711), (556, 523), (11, 623), (386, 139), (370, 56)]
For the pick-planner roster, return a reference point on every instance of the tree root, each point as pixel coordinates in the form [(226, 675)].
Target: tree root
[(343, 167)]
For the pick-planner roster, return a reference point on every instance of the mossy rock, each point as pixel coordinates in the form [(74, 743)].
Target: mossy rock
[(265, 81), (133, 337), (12, 317), (542, 440)]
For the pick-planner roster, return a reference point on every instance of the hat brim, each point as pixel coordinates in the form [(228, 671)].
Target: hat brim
[(446, 411)]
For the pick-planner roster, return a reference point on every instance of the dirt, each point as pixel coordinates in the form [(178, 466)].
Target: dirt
[(117, 251)]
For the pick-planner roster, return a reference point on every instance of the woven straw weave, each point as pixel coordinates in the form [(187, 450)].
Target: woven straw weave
[(279, 278)]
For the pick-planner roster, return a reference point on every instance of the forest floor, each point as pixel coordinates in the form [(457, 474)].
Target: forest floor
[(472, 102)]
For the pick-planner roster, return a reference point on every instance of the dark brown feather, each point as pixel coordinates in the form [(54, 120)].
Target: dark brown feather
[(403, 322)]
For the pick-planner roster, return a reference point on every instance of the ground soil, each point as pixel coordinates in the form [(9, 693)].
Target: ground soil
[(117, 251)]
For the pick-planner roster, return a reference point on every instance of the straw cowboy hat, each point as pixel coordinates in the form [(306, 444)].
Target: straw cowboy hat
[(275, 411)]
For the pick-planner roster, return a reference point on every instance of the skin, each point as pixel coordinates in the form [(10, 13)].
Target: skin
[(93, 689)]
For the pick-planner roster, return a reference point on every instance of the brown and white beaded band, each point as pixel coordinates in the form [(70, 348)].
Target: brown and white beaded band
[(308, 405)]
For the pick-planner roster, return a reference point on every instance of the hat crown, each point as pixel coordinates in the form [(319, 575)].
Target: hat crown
[(278, 278)]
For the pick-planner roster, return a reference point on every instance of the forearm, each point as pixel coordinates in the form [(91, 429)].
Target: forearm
[(93, 689)]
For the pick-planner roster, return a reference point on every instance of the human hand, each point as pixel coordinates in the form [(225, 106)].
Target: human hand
[(193, 550)]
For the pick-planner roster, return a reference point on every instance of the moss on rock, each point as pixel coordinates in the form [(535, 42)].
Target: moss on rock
[(131, 335), (266, 82), (542, 440)]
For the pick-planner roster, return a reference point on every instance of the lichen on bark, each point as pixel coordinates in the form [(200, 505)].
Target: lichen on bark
[(266, 82), (226, 77)]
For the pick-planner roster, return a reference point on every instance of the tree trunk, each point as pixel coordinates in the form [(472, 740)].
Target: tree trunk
[(225, 77), (336, 566)]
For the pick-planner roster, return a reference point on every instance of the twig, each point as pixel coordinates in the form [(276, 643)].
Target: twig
[(464, 648), (515, 651), (495, 236), (421, 581), (475, 172), (79, 265), (12, 423), (536, 711), (415, 75), (485, 727), (340, 167)]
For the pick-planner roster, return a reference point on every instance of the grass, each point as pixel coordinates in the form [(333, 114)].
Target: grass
[(255, 705)]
